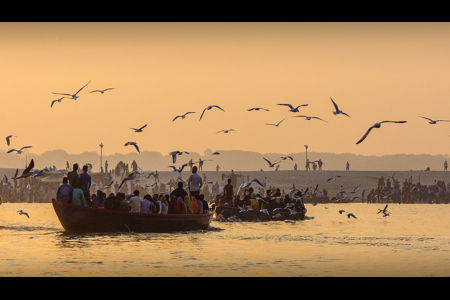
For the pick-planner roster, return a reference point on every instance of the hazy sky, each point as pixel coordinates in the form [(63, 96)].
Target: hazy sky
[(374, 71)]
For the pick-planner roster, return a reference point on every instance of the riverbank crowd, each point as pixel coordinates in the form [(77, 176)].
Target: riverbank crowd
[(392, 190)]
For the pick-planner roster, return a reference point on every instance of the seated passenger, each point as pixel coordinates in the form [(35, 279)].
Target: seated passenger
[(112, 202), (78, 195), (179, 192), (64, 193), (99, 200)]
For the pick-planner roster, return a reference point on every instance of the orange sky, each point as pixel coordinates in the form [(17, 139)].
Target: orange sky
[(374, 71)]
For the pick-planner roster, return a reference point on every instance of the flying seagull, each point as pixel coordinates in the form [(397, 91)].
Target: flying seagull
[(225, 131), (384, 211), (139, 129), (351, 215), (178, 170), (26, 173), (271, 164), (285, 157), (101, 91), (5, 181), (134, 144), (8, 138), (208, 108), (341, 211), (276, 125), (253, 180), (257, 108), (132, 176), (183, 116), (74, 96), (337, 110), (333, 178), (21, 212), (109, 184), (18, 151), (308, 118), (294, 109), (377, 125), (175, 153), (57, 100), (434, 121)]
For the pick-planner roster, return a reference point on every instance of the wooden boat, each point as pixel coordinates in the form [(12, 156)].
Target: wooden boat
[(258, 215), (76, 218)]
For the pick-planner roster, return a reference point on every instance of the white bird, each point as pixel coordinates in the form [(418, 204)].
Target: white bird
[(308, 118), (18, 151), (132, 176), (5, 180), (253, 180), (109, 185), (377, 125), (21, 212), (384, 211), (178, 170), (134, 144), (352, 192), (276, 125), (8, 138), (333, 178), (351, 215), (285, 157), (57, 100), (183, 116), (41, 172), (225, 131), (257, 108), (337, 110), (139, 129), (175, 153), (26, 173), (271, 165), (74, 96), (294, 109), (101, 91), (208, 108), (434, 121)]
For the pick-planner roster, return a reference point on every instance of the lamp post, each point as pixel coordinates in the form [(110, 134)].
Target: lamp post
[(306, 148), (101, 154)]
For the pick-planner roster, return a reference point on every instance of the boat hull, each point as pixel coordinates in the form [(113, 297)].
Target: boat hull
[(76, 218)]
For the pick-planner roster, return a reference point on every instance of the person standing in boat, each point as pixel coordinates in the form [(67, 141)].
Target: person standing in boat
[(195, 183), (85, 180), (72, 176)]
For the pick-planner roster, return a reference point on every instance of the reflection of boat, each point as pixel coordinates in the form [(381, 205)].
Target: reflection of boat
[(76, 218), (259, 215)]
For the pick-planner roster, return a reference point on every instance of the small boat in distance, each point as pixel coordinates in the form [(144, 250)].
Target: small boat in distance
[(77, 218)]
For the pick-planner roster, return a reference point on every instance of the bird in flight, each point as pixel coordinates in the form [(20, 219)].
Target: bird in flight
[(293, 109), (8, 138), (74, 96), (333, 178), (308, 118), (139, 129), (276, 125), (101, 91), (271, 164), (285, 157), (253, 180), (225, 131), (183, 116), (132, 176), (337, 110), (376, 125), (178, 170), (434, 121), (57, 100), (351, 215), (26, 173), (21, 212), (208, 108), (257, 108), (134, 144), (175, 153), (18, 151)]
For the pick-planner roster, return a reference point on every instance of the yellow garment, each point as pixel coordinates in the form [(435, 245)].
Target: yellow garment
[(255, 203), (188, 202)]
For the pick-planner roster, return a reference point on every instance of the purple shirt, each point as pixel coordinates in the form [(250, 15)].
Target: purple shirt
[(147, 207)]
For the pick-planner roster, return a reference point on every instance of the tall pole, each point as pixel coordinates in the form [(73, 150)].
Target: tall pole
[(101, 154)]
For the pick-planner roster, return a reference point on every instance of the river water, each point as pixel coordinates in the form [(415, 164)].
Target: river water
[(413, 241)]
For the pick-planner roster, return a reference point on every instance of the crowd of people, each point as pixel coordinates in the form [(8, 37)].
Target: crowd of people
[(75, 190), (394, 191)]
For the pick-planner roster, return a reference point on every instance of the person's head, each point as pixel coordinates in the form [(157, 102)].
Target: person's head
[(75, 167), (99, 193), (180, 184), (111, 195), (121, 195), (85, 168), (65, 180), (148, 197), (194, 169), (229, 180), (78, 185), (136, 192)]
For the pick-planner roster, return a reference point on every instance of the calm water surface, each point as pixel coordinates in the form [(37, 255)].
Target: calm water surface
[(413, 241)]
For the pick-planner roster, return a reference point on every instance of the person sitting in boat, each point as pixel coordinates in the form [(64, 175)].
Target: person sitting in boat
[(123, 202), (179, 192), (135, 202), (64, 193), (205, 206), (112, 202), (99, 200), (78, 195), (147, 206)]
